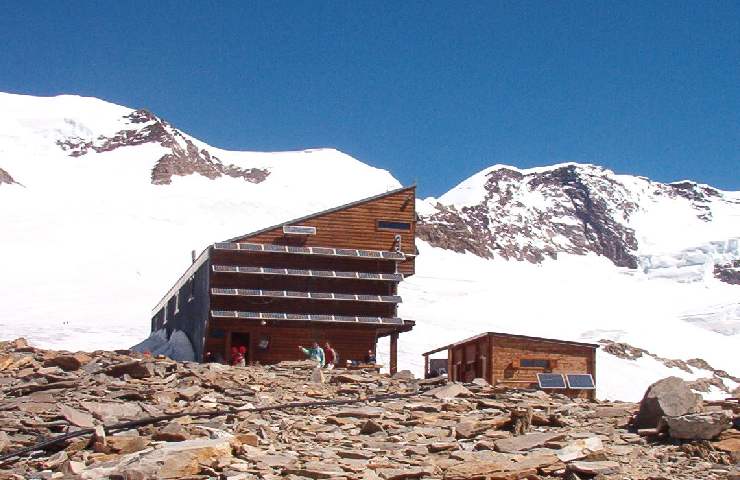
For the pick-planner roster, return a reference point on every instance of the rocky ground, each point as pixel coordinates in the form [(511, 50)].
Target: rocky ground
[(434, 430)]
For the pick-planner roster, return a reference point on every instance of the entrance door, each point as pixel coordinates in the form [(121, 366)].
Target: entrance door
[(241, 339)]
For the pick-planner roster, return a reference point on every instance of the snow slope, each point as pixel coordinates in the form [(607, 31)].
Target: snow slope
[(90, 243)]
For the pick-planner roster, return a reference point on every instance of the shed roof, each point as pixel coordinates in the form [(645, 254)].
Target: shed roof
[(511, 335)]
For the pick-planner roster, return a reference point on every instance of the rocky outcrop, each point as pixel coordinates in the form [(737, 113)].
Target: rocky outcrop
[(698, 426), (669, 397), (5, 178), (184, 157), (584, 212), (728, 273)]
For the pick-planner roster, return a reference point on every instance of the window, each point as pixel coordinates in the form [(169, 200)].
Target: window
[(394, 225), (534, 363)]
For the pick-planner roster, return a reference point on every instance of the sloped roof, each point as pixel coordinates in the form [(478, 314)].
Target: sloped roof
[(323, 212)]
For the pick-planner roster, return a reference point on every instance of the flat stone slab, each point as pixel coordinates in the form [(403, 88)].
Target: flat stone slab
[(525, 442)]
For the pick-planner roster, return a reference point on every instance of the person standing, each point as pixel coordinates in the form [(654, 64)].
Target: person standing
[(315, 353), (332, 358)]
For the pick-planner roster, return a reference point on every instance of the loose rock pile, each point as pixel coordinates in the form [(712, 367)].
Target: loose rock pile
[(439, 431)]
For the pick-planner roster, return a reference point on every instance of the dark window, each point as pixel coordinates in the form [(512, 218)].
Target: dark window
[(394, 225), (534, 363)]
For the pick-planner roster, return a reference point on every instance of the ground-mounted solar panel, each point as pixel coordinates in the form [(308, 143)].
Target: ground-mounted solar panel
[(551, 380), (580, 381), (226, 246)]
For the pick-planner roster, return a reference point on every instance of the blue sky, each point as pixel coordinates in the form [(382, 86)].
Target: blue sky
[(432, 91)]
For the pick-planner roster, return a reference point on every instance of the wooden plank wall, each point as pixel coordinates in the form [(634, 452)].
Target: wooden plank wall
[(352, 343), (507, 352), (356, 227)]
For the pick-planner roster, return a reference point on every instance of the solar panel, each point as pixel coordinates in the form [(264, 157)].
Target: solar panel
[(344, 318), (297, 316), (272, 293), (297, 294), (251, 292), (580, 381), (298, 250), (254, 247), (393, 321), (225, 268), (322, 251), (274, 271), (369, 253), (293, 271), (226, 246), (393, 255), (322, 273), (223, 291), (368, 298), (275, 248), (344, 296), (346, 252), (390, 298), (321, 295), (320, 317), (248, 315), (345, 274), (551, 380)]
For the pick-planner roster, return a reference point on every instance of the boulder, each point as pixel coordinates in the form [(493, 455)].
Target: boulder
[(67, 362), (698, 426), (172, 432), (370, 427), (123, 444), (670, 397), (403, 375)]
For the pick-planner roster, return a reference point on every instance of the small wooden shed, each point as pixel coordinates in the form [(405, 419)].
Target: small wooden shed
[(519, 361)]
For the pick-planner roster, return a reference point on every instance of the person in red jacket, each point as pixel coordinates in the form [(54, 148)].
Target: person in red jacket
[(331, 356)]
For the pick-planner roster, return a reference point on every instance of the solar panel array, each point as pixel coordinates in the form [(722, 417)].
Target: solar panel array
[(305, 317), (325, 251), (580, 381), (393, 277), (252, 292), (551, 380)]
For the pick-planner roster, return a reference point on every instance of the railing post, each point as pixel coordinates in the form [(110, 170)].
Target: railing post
[(394, 353)]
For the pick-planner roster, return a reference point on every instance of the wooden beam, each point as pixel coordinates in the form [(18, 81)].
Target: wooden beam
[(426, 366), (394, 353)]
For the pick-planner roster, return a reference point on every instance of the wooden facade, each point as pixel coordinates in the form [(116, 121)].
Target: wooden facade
[(332, 276), (515, 360)]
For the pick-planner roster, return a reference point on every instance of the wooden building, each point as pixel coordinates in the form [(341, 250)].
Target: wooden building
[(331, 276), (519, 361)]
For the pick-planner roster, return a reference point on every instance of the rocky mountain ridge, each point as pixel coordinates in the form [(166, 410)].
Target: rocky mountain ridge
[(184, 157), (535, 214)]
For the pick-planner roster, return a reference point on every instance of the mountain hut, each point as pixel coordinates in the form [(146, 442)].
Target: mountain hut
[(519, 361), (331, 276)]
